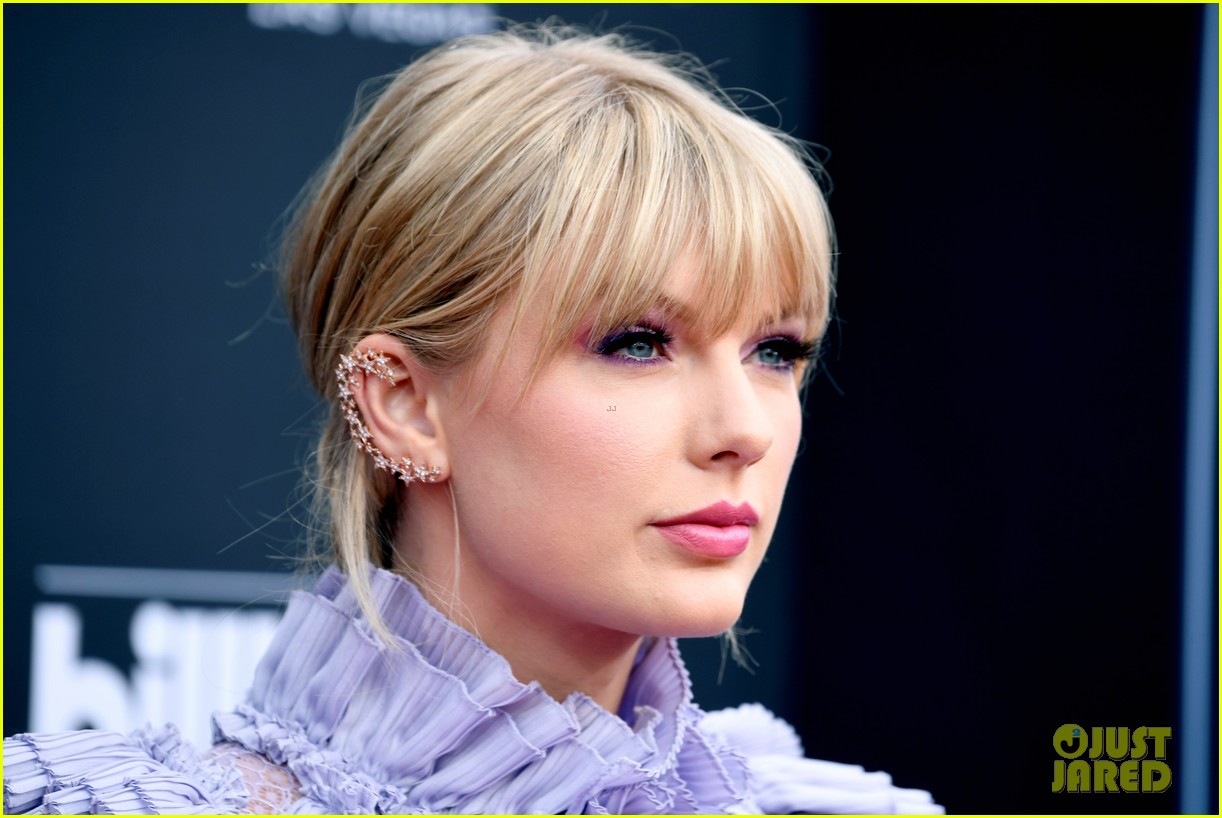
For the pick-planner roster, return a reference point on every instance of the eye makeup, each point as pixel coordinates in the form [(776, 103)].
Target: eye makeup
[(784, 352), (645, 344), (636, 345)]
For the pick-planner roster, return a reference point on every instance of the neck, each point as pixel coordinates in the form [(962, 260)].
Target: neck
[(563, 660), (563, 656)]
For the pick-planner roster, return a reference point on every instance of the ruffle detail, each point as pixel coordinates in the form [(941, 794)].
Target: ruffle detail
[(786, 783), (96, 772), (437, 723)]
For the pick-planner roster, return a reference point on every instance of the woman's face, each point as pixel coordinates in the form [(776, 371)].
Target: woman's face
[(636, 486)]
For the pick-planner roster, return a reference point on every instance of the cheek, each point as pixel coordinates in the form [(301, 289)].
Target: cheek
[(786, 416), (584, 442), (560, 459), (789, 430), (576, 444)]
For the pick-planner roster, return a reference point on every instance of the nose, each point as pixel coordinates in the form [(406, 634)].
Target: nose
[(734, 428)]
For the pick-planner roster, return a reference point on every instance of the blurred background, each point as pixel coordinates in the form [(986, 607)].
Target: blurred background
[(1004, 516)]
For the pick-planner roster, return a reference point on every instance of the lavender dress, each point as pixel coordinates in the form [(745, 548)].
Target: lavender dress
[(336, 722)]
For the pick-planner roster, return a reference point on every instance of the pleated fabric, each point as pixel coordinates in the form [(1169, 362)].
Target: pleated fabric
[(436, 723)]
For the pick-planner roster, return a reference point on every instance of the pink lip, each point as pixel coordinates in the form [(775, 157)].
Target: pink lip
[(721, 530)]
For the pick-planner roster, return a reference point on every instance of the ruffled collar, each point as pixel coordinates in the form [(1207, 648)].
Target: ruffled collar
[(439, 724)]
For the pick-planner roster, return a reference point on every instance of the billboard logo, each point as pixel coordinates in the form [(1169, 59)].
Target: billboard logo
[(182, 660)]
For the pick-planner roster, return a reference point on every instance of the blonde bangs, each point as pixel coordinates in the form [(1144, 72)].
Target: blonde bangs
[(646, 180), (545, 173)]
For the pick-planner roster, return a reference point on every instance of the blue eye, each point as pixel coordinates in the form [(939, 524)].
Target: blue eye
[(639, 348), (642, 344), (637, 344), (784, 353)]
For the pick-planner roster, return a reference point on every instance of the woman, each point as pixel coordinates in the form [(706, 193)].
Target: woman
[(563, 299)]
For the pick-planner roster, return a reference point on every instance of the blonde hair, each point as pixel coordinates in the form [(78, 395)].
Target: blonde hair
[(538, 162)]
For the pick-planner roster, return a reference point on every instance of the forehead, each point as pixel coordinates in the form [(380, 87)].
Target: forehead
[(684, 296)]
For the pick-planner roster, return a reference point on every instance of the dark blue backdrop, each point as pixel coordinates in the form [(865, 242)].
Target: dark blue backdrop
[(982, 539)]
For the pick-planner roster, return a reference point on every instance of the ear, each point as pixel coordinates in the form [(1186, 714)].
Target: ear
[(400, 408)]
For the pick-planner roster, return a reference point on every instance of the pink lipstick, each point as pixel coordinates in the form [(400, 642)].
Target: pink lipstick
[(720, 531)]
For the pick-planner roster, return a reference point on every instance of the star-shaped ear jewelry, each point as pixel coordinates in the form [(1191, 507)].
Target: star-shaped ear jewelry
[(349, 375)]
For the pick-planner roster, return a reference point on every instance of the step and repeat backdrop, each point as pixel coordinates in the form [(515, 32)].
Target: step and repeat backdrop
[(987, 540)]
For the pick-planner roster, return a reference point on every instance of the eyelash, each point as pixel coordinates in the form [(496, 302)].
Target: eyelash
[(621, 339), (791, 350)]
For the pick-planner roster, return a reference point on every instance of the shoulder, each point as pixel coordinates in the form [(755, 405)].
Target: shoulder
[(148, 771), (784, 781)]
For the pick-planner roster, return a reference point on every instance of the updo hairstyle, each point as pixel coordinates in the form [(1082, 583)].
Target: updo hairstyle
[(535, 163)]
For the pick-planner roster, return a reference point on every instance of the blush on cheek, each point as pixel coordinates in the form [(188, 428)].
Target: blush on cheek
[(569, 420), (591, 460)]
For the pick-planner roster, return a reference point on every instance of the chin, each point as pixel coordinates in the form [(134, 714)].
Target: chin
[(703, 614), (702, 629)]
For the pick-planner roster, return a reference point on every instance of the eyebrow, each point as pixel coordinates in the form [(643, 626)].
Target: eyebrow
[(674, 308), (686, 314)]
